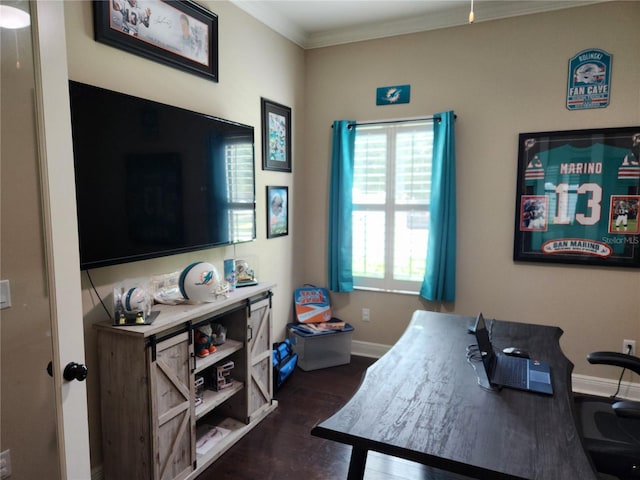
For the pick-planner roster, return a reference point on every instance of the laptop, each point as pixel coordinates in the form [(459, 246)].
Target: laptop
[(511, 372)]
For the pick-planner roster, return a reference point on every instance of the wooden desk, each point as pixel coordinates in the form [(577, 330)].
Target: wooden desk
[(421, 401)]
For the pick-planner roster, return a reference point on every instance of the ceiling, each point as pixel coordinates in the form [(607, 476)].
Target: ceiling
[(321, 23)]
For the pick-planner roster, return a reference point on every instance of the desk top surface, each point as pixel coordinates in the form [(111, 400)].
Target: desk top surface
[(422, 401)]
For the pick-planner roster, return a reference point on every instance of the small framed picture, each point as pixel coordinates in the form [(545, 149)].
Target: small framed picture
[(276, 136), (181, 34), (277, 211)]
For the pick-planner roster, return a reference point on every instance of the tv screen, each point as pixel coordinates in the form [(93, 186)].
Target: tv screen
[(155, 180)]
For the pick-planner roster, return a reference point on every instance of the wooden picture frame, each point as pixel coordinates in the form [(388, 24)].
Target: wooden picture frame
[(578, 196), (276, 136), (277, 211), (181, 34)]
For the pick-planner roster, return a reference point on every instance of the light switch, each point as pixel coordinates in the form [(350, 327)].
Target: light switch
[(5, 294)]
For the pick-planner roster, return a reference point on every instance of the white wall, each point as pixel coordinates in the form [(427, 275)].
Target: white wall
[(502, 78), (254, 62)]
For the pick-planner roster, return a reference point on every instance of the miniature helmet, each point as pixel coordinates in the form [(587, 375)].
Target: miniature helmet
[(242, 270), (199, 282), (134, 300)]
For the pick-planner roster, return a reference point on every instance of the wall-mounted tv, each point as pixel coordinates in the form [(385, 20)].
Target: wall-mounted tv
[(155, 180)]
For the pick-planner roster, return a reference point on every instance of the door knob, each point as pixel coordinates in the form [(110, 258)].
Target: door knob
[(75, 371)]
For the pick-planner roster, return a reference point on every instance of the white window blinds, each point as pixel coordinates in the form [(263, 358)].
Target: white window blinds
[(391, 189)]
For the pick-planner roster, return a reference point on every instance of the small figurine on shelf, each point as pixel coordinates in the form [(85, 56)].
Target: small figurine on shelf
[(218, 334), (203, 343)]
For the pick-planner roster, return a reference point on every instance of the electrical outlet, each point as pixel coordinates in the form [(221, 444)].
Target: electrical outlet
[(366, 316), (629, 343), (5, 464)]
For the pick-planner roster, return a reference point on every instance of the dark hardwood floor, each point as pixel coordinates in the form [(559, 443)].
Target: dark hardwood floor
[(281, 446)]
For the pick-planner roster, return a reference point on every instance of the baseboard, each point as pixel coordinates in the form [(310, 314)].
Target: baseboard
[(603, 387), (368, 349)]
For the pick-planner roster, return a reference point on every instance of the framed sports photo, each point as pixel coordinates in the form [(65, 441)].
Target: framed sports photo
[(276, 136), (277, 211), (578, 196), (178, 33)]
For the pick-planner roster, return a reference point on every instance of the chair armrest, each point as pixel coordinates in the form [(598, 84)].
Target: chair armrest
[(627, 409), (617, 359)]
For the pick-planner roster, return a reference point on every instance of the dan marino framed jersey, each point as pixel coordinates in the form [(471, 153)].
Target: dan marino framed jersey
[(578, 195)]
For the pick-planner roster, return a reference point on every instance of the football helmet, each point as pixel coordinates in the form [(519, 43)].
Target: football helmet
[(200, 282), (135, 300)]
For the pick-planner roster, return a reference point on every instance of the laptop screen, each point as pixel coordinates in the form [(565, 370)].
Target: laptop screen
[(484, 344)]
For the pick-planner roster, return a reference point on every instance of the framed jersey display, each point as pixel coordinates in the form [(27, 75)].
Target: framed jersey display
[(577, 198)]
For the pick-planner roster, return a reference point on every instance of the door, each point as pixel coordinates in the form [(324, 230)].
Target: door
[(44, 419), (28, 392), (259, 344)]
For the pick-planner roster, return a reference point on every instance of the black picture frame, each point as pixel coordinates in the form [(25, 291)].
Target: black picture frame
[(157, 32), (277, 211), (578, 196), (276, 136)]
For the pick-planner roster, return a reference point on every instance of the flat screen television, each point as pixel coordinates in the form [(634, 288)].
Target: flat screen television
[(155, 180)]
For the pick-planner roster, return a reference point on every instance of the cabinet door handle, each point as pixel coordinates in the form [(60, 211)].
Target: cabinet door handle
[(250, 334)]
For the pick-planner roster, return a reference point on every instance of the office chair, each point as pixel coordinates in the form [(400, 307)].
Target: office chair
[(610, 428)]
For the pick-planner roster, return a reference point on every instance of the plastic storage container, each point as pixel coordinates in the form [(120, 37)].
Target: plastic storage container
[(322, 350)]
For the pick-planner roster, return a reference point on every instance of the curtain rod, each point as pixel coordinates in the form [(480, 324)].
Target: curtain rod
[(399, 120)]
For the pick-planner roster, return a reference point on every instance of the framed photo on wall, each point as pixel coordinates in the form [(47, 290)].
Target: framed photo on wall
[(276, 136), (181, 34), (277, 211), (578, 196)]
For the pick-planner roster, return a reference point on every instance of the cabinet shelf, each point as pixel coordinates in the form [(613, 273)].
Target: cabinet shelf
[(236, 429), (231, 426), (222, 352), (211, 399)]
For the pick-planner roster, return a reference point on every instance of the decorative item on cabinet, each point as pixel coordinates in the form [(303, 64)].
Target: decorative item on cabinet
[(221, 377), (132, 302)]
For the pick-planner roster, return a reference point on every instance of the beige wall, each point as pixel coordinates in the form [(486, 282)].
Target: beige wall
[(501, 78), (254, 62)]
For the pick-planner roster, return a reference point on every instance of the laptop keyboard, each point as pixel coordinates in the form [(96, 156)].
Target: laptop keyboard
[(511, 371)]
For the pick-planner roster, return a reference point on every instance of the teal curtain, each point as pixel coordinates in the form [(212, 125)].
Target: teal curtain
[(341, 206), (440, 278)]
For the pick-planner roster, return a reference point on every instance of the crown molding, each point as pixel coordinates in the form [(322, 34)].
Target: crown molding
[(274, 20), (454, 17), (485, 11)]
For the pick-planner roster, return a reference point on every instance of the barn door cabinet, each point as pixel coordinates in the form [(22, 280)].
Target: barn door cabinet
[(152, 428)]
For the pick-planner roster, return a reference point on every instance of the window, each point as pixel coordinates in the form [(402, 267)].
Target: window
[(240, 190), (391, 191)]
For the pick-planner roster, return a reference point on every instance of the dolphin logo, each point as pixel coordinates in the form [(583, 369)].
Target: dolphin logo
[(207, 277)]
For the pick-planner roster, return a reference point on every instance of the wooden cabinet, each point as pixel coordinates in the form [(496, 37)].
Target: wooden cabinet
[(151, 427)]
